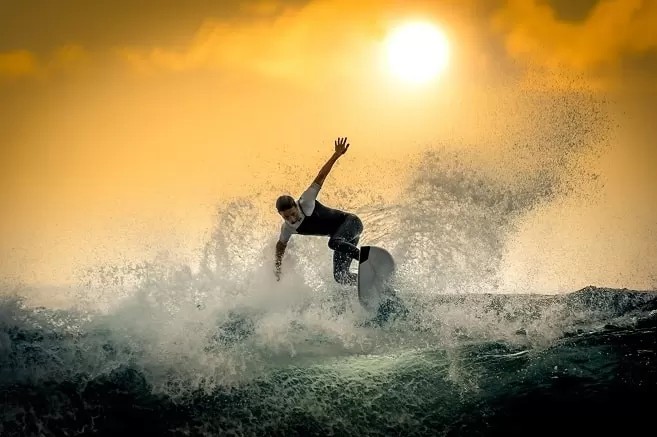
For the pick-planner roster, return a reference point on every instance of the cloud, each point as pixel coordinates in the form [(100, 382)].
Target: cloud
[(323, 39), (613, 29), (67, 57), (341, 38), (18, 63), (23, 63), (302, 42), (320, 38)]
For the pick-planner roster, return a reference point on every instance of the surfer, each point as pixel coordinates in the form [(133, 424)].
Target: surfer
[(307, 216)]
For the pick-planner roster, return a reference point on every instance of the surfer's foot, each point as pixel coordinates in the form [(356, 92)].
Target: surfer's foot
[(356, 254)]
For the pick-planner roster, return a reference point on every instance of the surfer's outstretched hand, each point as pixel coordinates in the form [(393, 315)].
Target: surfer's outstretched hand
[(341, 146)]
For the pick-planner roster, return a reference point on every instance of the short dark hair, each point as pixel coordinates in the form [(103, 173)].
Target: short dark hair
[(284, 202)]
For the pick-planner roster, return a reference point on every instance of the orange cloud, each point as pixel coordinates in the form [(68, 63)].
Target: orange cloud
[(23, 63), (318, 39), (341, 38), (18, 63), (67, 57), (262, 8), (613, 29)]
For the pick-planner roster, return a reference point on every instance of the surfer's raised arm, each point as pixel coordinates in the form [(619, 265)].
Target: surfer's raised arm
[(341, 147)]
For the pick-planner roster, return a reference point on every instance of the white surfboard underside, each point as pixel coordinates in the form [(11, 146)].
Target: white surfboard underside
[(376, 269)]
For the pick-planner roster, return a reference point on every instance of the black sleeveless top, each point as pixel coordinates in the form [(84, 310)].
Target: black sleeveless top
[(322, 222)]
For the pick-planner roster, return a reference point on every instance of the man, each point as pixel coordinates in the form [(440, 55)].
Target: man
[(307, 216)]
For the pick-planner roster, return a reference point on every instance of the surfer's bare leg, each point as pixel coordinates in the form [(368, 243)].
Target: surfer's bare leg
[(345, 245)]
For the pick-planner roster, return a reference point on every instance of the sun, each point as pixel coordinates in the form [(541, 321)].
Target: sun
[(417, 52)]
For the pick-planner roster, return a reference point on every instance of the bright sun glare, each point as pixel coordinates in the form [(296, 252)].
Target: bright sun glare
[(417, 52)]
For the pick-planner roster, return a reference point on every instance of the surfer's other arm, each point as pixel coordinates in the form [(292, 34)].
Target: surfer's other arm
[(280, 250), (281, 244), (341, 147)]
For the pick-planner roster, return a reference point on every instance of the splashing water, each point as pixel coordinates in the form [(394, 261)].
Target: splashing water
[(164, 348)]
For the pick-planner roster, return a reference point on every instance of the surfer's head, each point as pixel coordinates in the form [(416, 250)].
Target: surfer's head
[(287, 208)]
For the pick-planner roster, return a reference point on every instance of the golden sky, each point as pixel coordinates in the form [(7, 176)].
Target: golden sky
[(125, 123)]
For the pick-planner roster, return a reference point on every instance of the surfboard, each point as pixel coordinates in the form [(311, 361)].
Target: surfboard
[(376, 269)]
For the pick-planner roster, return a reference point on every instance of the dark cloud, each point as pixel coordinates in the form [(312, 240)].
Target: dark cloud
[(611, 31), (572, 10), (42, 25)]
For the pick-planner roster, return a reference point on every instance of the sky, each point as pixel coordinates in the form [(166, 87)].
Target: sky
[(125, 124)]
